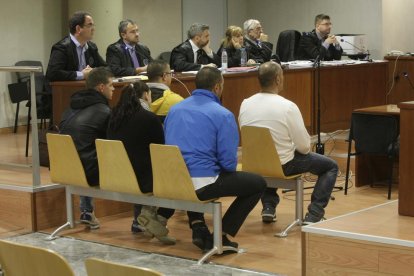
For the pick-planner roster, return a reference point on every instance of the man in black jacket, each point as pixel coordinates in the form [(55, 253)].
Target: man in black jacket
[(87, 120), (195, 52), (74, 56), (255, 42), (319, 43), (128, 57)]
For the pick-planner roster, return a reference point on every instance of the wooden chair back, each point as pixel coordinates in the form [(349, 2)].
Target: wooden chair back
[(65, 164), (259, 154), (116, 173), (98, 267), (170, 174), (19, 259)]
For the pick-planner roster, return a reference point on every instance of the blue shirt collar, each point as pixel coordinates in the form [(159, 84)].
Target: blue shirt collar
[(206, 93), (73, 38)]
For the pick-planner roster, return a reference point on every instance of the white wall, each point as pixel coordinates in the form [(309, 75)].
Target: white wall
[(351, 16), (106, 15), (159, 22), (398, 25), (28, 30)]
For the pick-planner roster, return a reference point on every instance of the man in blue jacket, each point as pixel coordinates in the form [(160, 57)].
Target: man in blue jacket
[(207, 136)]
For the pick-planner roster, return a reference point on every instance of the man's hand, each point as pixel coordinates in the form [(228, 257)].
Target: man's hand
[(209, 65), (86, 71), (331, 39), (139, 70), (207, 49)]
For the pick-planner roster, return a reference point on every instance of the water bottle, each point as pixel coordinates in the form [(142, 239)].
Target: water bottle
[(243, 57), (224, 60)]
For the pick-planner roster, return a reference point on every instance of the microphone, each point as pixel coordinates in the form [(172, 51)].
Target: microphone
[(359, 49), (362, 51), (317, 61), (405, 74)]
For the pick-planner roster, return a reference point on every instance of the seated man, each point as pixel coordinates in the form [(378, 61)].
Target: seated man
[(128, 57), (159, 77), (207, 136), (195, 52), (87, 120), (255, 42), (74, 56), (292, 141), (319, 42)]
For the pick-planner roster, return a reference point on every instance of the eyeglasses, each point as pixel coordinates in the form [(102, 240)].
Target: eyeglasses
[(168, 73)]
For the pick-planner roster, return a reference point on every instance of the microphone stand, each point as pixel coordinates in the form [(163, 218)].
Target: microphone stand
[(320, 147)]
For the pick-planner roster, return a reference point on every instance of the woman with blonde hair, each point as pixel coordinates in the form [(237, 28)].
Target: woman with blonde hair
[(233, 42)]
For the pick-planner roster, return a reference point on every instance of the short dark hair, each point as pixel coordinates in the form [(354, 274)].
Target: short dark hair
[(207, 78), (267, 73), (123, 25), (97, 76), (156, 69), (321, 17), (196, 29), (78, 18)]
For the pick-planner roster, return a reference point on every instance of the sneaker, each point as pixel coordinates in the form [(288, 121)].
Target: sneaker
[(201, 235), (136, 227), (309, 219), (268, 215), (148, 219), (89, 219)]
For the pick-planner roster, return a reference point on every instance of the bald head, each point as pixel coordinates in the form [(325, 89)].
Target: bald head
[(271, 76)]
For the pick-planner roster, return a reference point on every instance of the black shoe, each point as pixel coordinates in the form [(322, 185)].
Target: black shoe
[(268, 214), (136, 227), (310, 219), (227, 242), (200, 234)]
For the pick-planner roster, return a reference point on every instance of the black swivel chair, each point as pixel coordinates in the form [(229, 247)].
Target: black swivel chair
[(373, 134), (20, 91), (287, 45), (165, 56)]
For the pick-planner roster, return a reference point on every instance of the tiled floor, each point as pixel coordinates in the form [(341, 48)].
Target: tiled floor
[(76, 251)]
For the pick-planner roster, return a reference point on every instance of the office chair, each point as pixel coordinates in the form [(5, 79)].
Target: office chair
[(287, 45), (373, 134), (165, 56), (20, 91)]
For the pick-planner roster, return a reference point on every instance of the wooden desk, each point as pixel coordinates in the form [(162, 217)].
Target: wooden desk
[(401, 88), (343, 89), (380, 163)]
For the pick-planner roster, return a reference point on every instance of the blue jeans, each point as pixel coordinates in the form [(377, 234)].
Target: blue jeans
[(86, 204), (325, 168)]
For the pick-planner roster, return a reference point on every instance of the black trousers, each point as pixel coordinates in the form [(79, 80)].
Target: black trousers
[(246, 187)]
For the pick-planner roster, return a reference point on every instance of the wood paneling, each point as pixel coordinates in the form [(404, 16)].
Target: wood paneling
[(406, 187), (343, 89), (398, 86)]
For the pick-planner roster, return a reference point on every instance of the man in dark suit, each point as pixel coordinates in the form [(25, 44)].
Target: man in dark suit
[(195, 52), (319, 42), (255, 42), (128, 57), (74, 56)]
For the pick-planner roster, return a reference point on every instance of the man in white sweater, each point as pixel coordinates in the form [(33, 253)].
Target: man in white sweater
[(292, 141)]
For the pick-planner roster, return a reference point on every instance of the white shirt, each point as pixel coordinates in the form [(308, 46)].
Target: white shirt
[(284, 120)]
